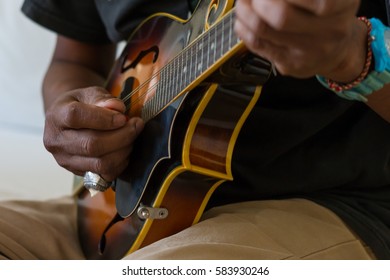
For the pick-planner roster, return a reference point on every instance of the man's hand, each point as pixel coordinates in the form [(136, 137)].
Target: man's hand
[(87, 130), (304, 38)]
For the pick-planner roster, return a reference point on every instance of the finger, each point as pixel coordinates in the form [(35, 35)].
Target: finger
[(302, 30), (283, 16), (99, 97), (92, 108), (92, 143), (259, 17), (249, 27), (76, 115), (254, 32), (109, 166), (262, 32), (326, 7)]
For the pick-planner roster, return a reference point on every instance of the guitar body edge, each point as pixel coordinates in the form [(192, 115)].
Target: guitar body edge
[(205, 162)]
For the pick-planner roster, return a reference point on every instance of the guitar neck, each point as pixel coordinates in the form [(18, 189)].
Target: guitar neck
[(194, 64)]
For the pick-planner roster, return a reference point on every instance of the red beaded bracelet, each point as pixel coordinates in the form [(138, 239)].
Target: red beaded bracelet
[(338, 87)]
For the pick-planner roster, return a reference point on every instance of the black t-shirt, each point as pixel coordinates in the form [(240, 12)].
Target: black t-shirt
[(299, 141)]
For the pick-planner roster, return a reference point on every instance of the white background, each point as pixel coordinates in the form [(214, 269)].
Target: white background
[(27, 170)]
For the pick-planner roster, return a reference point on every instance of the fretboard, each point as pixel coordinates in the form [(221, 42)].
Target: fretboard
[(190, 64)]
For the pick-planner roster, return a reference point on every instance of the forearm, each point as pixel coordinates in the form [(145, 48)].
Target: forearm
[(378, 101), (354, 53), (64, 76), (76, 65)]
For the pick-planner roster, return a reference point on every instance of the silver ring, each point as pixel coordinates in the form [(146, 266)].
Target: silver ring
[(95, 181)]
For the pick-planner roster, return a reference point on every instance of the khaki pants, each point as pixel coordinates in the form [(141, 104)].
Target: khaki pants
[(277, 229)]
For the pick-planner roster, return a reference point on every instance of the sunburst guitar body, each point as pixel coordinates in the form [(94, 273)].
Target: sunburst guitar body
[(181, 77)]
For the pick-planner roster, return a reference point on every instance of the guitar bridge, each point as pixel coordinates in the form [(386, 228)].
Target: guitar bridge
[(145, 213)]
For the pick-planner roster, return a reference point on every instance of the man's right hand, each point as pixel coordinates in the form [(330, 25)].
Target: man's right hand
[(87, 130)]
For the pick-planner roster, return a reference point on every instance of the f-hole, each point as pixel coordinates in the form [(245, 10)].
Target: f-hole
[(140, 56), (103, 239), (128, 84), (127, 87)]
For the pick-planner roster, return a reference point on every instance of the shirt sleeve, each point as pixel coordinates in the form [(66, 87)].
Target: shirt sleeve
[(76, 19)]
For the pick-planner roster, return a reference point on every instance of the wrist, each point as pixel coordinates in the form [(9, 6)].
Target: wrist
[(354, 62), (373, 77), (63, 77)]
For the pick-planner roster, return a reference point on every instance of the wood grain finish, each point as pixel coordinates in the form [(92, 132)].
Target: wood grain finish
[(184, 152)]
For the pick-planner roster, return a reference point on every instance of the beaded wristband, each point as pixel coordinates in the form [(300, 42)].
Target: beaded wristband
[(340, 87)]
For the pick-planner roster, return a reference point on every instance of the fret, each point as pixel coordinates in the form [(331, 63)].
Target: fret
[(185, 69), (180, 69), (204, 63), (174, 79), (167, 78), (223, 37), (145, 112), (158, 88), (162, 81), (189, 64), (176, 74), (148, 111), (168, 87), (214, 44), (196, 74), (219, 40), (154, 101), (168, 81), (208, 49), (184, 72), (230, 29), (164, 96), (151, 104), (195, 65), (192, 62), (199, 57), (180, 62)]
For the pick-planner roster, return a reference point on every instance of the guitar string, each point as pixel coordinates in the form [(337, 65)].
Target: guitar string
[(229, 15), (167, 65)]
